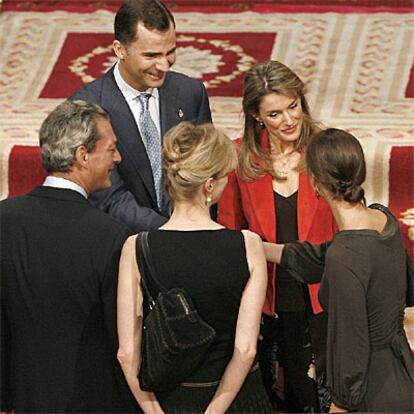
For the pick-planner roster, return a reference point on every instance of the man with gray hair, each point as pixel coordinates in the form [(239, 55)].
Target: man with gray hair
[(59, 266)]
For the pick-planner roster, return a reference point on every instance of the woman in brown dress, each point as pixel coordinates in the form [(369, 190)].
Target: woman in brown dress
[(369, 363)]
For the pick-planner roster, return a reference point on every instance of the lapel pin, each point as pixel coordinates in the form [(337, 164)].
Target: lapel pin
[(180, 113)]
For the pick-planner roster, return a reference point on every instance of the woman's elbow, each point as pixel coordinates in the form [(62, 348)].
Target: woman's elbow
[(247, 352), (125, 359)]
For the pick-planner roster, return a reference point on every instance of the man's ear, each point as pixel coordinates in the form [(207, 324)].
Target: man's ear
[(119, 49), (82, 155)]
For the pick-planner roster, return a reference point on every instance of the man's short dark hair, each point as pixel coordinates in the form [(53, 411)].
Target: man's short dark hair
[(152, 13)]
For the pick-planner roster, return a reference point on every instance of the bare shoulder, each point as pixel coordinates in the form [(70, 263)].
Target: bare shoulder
[(253, 242), (251, 237), (255, 256), (129, 245), (130, 241), (128, 267)]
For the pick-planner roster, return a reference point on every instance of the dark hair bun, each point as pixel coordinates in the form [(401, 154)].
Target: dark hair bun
[(336, 159), (353, 194)]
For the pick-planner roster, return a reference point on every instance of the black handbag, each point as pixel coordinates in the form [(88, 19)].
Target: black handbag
[(174, 337)]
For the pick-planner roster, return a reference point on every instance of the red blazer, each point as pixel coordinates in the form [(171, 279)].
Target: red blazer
[(250, 205)]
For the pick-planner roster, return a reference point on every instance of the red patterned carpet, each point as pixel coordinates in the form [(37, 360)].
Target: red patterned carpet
[(77, 5)]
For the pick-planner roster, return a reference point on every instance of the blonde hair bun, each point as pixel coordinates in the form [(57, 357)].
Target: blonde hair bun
[(192, 154)]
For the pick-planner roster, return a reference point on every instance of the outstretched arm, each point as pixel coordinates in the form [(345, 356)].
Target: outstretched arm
[(273, 252), (130, 317), (120, 203), (304, 261), (247, 329)]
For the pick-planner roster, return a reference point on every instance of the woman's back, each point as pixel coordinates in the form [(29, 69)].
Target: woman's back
[(223, 271), (364, 290), (211, 266)]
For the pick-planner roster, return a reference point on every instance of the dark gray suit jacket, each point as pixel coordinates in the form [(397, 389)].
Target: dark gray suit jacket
[(132, 198), (59, 273)]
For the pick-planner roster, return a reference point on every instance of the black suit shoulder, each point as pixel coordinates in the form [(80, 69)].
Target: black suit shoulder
[(183, 79), (189, 87), (91, 92), (59, 206), (106, 222)]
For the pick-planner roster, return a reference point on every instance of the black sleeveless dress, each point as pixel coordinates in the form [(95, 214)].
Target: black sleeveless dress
[(211, 266)]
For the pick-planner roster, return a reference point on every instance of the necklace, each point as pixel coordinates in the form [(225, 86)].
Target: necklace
[(282, 171)]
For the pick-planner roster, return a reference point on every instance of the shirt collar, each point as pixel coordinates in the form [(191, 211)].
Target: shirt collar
[(59, 182), (128, 91)]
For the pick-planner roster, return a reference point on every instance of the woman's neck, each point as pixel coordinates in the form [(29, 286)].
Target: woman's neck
[(356, 216), (193, 215), (278, 147), (347, 215)]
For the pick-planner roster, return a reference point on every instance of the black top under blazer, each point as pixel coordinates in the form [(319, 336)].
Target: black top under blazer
[(132, 197), (59, 267)]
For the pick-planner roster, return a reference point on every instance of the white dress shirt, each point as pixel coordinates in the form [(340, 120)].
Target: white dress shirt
[(58, 182), (130, 94)]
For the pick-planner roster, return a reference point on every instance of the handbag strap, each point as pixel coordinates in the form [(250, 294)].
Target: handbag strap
[(148, 278)]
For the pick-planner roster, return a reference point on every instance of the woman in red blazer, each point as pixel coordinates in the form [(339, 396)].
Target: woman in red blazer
[(270, 194)]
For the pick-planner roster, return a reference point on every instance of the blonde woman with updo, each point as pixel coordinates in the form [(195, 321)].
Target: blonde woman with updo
[(224, 272)]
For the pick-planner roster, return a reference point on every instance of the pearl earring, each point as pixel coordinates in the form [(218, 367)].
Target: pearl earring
[(208, 201)]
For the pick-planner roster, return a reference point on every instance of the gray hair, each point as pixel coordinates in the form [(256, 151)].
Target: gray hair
[(67, 127)]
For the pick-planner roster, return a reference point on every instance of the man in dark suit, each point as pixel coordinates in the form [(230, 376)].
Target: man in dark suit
[(59, 267), (145, 44)]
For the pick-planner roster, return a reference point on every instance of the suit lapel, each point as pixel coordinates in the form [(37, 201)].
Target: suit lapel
[(169, 116), (262, 199), (129, 138), (307, 206)]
